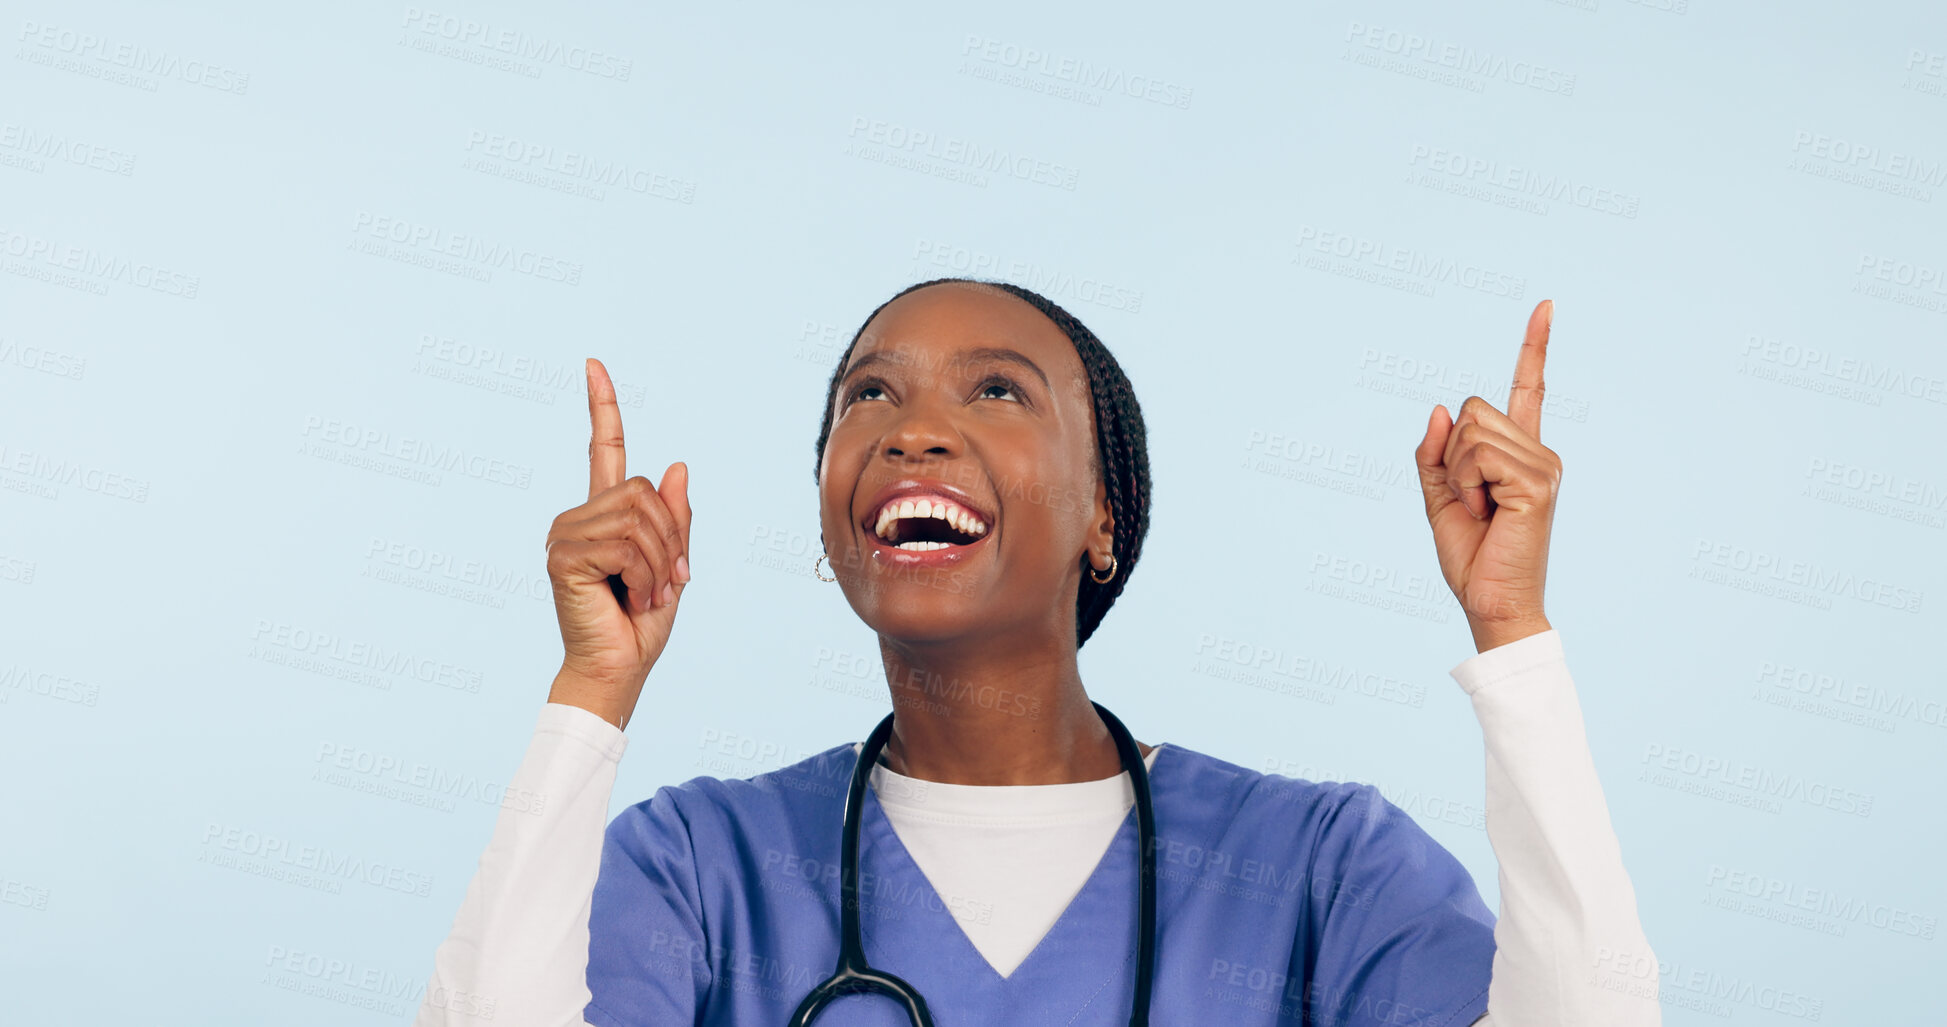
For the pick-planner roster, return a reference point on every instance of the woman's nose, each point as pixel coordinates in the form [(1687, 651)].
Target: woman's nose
[(922, 430)]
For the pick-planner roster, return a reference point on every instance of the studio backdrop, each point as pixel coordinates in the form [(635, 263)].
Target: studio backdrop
[(292, 329)]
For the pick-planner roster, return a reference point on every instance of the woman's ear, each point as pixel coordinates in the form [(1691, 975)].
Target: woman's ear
[(1101, 540)]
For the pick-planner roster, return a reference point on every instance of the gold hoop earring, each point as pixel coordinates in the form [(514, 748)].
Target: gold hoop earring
[(1112, 567), (814, 568)]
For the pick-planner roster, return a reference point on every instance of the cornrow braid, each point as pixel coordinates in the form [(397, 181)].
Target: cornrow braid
[(1120, 461)]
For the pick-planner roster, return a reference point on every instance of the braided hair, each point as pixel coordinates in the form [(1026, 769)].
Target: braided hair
[(1120, 461)]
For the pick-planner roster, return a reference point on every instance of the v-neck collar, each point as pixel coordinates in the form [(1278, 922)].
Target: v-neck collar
[(1090, 947), (918, 798)]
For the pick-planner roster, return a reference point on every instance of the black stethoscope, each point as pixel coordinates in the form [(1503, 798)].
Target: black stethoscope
[(853, 976)]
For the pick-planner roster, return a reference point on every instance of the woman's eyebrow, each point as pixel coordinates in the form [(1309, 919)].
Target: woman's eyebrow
[(971, 356)]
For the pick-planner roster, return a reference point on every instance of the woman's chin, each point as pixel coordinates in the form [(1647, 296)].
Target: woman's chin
[(909, 615), (928, 600)]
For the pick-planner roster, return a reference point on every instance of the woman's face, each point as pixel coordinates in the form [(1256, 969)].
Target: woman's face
[(964, 396)]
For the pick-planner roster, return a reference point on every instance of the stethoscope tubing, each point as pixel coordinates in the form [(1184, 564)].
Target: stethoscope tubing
[(854, 976)]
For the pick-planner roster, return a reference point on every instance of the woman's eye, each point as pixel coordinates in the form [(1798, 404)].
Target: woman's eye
[(999, 383), (860, 393)]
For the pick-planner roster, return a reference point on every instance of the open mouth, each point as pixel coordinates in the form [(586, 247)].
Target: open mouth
[(927, 523)]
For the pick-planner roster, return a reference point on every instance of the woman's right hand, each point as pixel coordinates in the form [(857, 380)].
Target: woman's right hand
[(619, 563)]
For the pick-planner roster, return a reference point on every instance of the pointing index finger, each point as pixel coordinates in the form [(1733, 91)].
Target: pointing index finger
[(1524, 398), (606, 459)]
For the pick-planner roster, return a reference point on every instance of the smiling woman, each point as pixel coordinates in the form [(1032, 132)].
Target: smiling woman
[(1005, 848), (1066, 457)]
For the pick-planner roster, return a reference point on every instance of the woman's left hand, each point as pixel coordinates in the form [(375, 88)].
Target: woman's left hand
[(1490, 490)]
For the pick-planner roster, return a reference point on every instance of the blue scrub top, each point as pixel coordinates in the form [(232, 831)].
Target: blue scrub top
[(1279, 901)]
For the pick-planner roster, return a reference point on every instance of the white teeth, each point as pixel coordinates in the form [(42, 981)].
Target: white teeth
[(961, 519), (922, 546)]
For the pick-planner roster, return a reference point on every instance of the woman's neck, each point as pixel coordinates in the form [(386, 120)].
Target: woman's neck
[(994, 714)]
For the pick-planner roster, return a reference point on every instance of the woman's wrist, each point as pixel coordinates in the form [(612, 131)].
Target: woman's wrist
[(571, 689), (1493, 634)]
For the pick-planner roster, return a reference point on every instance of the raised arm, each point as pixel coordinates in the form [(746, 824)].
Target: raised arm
[(1568, 914), (518, 949), (1569, 946)]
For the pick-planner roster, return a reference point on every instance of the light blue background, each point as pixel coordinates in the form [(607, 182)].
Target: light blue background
[(166, 516)]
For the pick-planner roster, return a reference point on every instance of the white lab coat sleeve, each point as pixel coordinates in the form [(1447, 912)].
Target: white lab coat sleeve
[(518, 950), (1569, 947)]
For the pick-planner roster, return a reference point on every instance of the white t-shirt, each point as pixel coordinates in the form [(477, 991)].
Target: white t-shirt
[(1569, 949), (1005, 859)]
